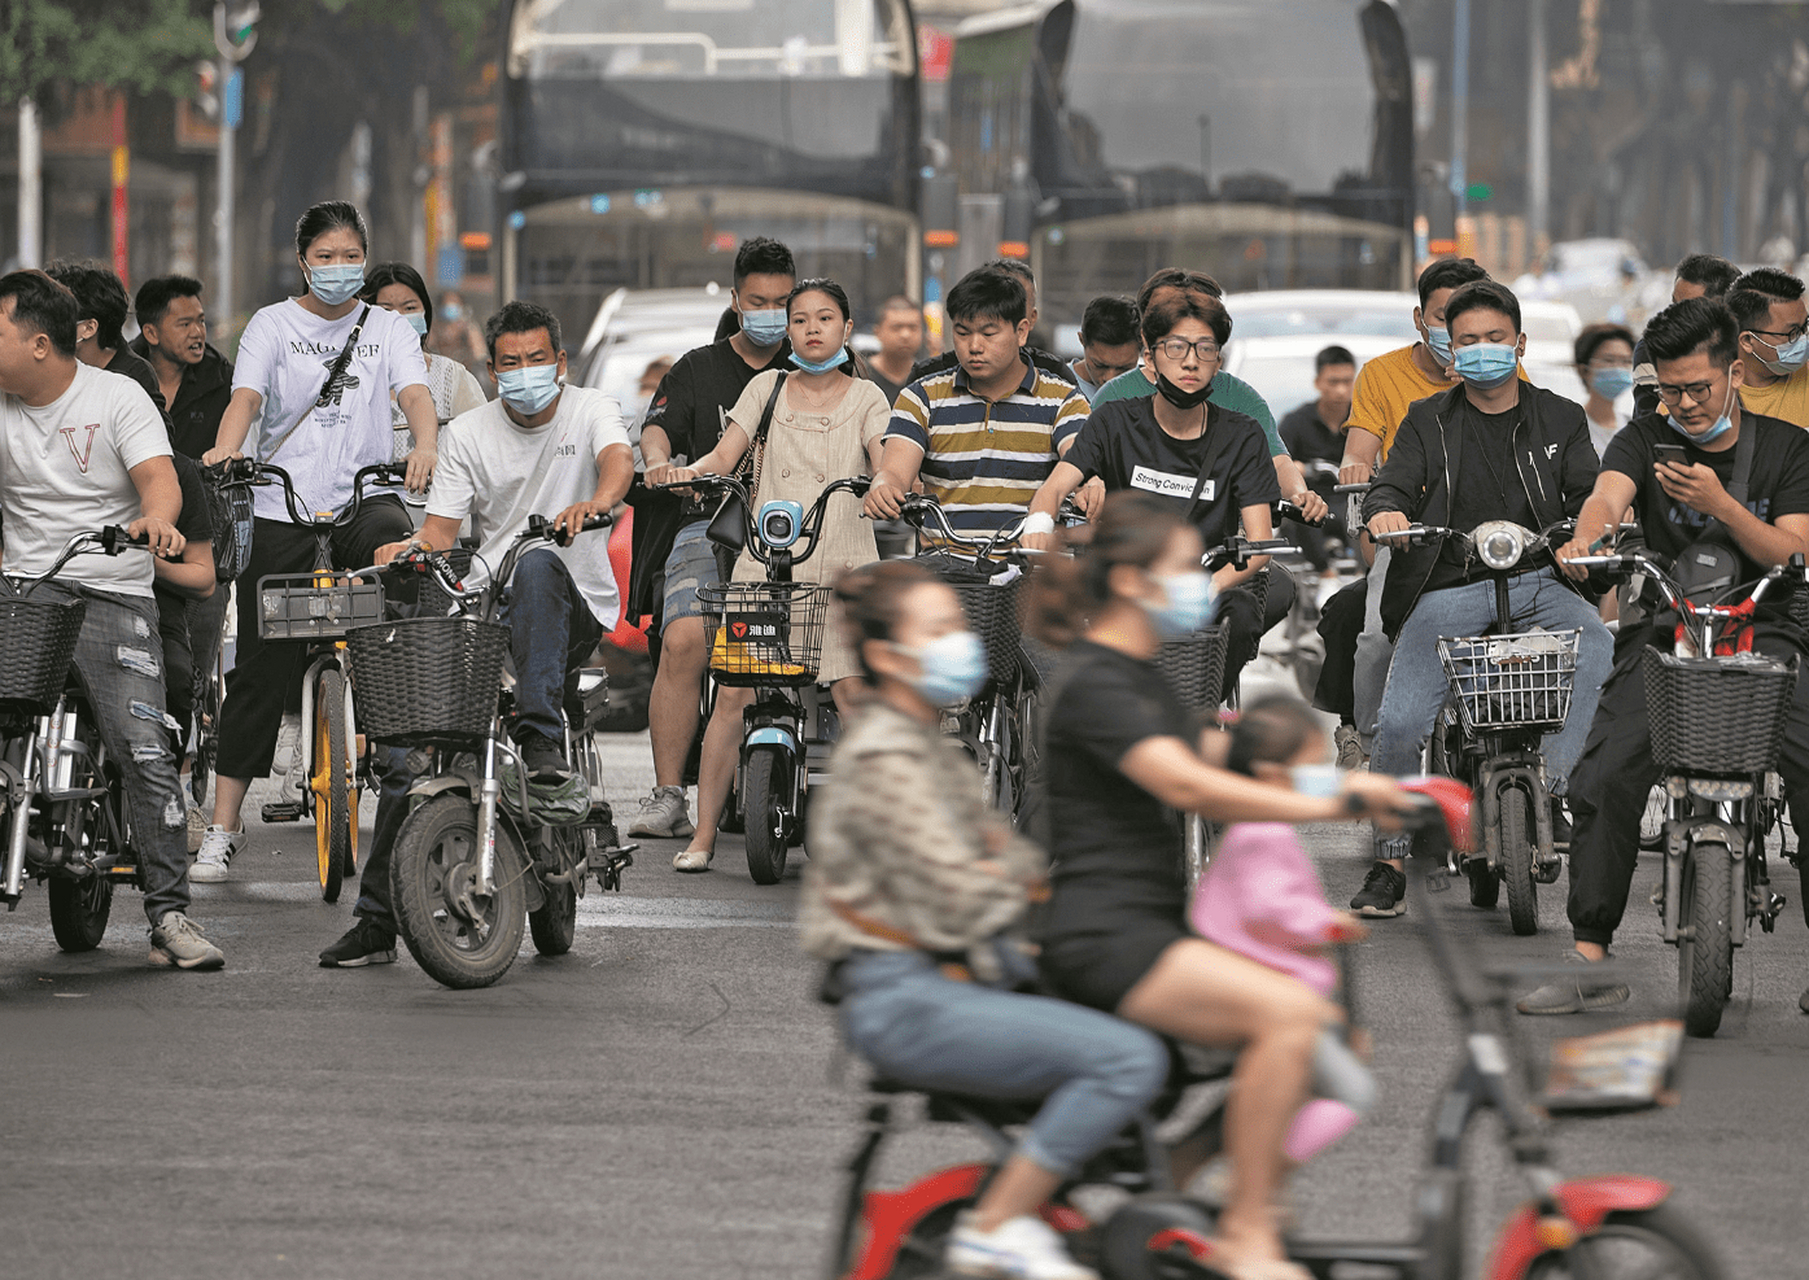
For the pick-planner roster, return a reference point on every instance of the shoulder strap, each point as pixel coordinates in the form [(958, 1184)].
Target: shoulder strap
[(333, 375), (1740, 482), (756, 449)]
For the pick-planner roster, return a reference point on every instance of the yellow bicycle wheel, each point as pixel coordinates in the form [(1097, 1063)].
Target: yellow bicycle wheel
[(335, 796)]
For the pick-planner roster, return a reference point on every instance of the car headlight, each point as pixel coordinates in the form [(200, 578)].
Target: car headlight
[(1501, 543)]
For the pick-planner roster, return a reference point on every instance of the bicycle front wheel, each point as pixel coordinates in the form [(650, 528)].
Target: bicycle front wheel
[(1651, 1244), (335, 798)]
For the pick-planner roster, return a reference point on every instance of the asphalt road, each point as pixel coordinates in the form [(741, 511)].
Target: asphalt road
[(664, 1101)]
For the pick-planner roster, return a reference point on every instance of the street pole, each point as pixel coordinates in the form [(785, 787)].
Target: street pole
[(1538, 131), (1460, 118), (234, 40), (31, 187)]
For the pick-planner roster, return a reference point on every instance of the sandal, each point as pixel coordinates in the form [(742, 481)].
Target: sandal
[(692, 860)]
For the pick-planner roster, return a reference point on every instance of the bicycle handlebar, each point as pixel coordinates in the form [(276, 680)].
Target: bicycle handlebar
[(109, 540), (245, 473)]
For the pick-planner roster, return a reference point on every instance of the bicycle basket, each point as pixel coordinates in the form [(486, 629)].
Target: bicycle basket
[(991, 608), (1195, 667), (1717, 715), (297, 607), (425, 681), (764, 633), (1520, 681), (37, 642)]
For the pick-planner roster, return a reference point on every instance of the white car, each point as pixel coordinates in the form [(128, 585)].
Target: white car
[(1277, 335), (633, 328), (1282, 368), (1551, 330)]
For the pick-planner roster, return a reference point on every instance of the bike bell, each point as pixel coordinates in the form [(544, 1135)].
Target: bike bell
[(780, 523)]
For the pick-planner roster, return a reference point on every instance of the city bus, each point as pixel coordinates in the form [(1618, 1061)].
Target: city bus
[(1270, 144), (642, 141)]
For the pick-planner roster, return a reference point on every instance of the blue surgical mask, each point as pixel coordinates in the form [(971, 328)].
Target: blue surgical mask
[(1486, 364), (453, 312), (1439, 339), (1321, 781), (417, 320), (1793, 355), (529, 388), (952, 667), (765, 328), (336, 282), (1611, 382), (1721, 426), (835, 361), (1187, 604)]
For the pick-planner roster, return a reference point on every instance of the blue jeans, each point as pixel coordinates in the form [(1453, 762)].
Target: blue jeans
[(119, 658), (551, 631), (1417, 686), (1096, 1072)]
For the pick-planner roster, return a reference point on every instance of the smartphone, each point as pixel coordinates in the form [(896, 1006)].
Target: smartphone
[(1671, 453)]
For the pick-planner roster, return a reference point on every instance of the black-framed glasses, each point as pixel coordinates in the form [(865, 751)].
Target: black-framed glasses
[(1789, 335), (1207, 349), (1698, 392)]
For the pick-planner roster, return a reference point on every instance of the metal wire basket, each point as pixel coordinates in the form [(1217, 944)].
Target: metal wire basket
[(427, 681), (764, 633), (1520, 681), (37, 643), (1717, 715), (1195, 667)]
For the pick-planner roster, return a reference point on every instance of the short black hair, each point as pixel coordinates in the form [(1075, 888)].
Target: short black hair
[(763, 256), (156, 294), (384, 274), (1480, 295), (987, 294), (1595, 335), (1162, 317), (1753, 293), (1178, 278), (1449, 273), (1713, 272), (1271, 730), (1332, 355), (1013, 266), (42, 305), (522, 317), (1686, 327), (329, 215), (1111, 322), (100, 296)]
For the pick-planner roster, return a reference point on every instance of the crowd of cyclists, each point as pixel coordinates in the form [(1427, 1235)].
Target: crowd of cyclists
[(937, 916)]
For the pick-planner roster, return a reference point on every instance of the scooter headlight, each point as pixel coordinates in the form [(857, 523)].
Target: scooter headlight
[(1501, 543), (779, 524)]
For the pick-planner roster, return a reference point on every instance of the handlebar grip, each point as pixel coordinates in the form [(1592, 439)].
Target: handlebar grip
[(114, 539), (1351, 488), (1286, 510)]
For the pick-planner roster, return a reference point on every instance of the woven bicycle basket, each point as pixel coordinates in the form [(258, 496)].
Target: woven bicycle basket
[(37, 643), (764, 633), (421, 681), (991, 608), (1195, 667), (1717, 715)]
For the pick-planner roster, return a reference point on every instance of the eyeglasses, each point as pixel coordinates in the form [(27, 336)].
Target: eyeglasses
[(1207, 349), (1698, 392), (1789, 335)]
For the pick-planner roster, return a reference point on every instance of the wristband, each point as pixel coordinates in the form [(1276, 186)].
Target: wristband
[(1038, 522)]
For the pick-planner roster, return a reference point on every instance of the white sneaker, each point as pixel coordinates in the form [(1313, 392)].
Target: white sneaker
[(663, 814), (218, 848), (288, 745), (178, 943), (1022, 1248)]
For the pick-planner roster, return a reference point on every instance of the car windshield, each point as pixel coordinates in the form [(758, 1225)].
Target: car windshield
[(1381, 322)]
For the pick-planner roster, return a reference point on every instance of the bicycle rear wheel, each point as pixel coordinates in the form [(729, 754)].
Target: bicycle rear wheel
[(335, 798), (1652, 1244)]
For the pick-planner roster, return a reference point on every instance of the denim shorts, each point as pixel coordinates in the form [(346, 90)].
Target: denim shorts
[(691, 564)]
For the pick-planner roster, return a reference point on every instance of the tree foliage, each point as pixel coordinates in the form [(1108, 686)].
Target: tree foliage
[(147, 45)]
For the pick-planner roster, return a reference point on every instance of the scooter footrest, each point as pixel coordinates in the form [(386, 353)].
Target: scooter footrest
[(283, 811)]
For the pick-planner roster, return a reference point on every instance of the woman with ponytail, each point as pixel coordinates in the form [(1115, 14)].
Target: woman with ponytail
[(823, 423)]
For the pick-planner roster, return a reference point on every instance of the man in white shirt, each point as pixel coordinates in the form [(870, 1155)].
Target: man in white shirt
[(541, 448), (80, 449)]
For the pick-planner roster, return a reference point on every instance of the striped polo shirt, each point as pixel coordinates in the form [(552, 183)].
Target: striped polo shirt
[(985, 459)]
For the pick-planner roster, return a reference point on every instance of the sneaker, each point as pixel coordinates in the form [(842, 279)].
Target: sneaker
[(543, 759), (663, 814), (218, 848), (1574, 995), (693, 860), (178, 943), (1383, 894), (1349, 742), (1024, 1248), (1560, 824), (288, 745), (366, 942)]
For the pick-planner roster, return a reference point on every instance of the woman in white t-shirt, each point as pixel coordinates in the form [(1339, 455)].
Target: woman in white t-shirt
[(398, 287), (320, 421), (1605, 364)]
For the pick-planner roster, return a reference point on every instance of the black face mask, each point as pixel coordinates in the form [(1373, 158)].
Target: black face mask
[(1182, 399)]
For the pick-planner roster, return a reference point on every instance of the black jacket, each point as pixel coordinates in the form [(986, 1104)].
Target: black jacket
[(201, 399), (1552, 454), (1055, 366)]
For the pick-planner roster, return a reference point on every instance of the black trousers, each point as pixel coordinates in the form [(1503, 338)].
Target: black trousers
[(1609, 785), (1340, 623), (1246, 622), (266, 679)]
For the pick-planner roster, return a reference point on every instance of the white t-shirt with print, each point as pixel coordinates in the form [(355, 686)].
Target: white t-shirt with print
[(66, 469), (284, 356), (499, 474)]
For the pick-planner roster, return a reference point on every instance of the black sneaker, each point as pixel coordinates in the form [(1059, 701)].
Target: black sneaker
[(366, 942), (1560, 824), (543, 759), (1383, 894)]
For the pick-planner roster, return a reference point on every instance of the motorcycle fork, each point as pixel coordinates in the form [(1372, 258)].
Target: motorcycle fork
[(489, 792), (785, 715), (14, 884), (1725, 823), (1505, 768)]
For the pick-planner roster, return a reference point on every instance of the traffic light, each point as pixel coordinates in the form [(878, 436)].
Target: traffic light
[(207, 89)]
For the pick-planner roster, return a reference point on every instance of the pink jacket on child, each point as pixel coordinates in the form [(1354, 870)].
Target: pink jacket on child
[(1261, 898)]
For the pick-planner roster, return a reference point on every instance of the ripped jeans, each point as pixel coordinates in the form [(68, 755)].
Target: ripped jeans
[(119, 658)]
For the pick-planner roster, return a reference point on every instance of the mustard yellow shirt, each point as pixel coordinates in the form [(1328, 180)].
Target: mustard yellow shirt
[(1787, 398), (1386, 386)]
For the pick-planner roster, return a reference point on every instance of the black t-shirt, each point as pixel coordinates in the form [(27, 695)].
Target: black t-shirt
[(1114, 847), (697, 391), (1777, 486), (885, 384), (1489, 487), (1124, 445), (1308, 438), (193, 524), (130, 364)]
